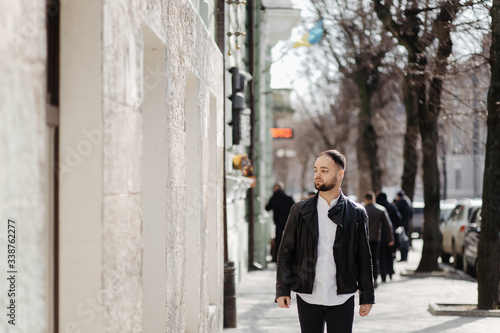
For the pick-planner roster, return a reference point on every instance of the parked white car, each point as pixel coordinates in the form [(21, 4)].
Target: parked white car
[(453, 230), (418, 223), (446, 206)]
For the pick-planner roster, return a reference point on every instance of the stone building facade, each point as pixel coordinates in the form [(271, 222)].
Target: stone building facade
[(112, 174)]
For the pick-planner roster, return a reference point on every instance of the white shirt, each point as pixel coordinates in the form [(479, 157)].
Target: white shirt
[(325, 281)]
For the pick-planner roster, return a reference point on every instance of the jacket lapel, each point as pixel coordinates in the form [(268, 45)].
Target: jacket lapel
[(335, 213), (310, 216)]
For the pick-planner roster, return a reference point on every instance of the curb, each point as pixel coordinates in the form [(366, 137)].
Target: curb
[(437, 274), (461, 273), (446, 271), (465, 310)]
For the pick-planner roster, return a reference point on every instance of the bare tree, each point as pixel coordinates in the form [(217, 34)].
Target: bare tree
[(323, 104), (353, 42), (329, 105), (489, 244), (425, 39), (295, 156)]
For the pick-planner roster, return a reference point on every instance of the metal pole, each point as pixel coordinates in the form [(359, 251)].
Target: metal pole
[(229, 296), (250, 193), (220, 38), (229, 282)]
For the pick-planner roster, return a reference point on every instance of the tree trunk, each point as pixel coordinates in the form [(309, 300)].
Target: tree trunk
[(411, 159), (364, 180), (368, 146), (488, 275), (430, 140)]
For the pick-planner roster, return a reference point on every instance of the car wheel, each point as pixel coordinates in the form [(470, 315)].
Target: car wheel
[(445, 257), (457, 260)]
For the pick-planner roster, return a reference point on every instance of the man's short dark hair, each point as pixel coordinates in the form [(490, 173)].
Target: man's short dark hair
[(370, 196), (381, 197), (337, 157)]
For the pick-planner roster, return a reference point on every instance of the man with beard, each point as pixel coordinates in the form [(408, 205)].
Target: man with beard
[(324, 255)]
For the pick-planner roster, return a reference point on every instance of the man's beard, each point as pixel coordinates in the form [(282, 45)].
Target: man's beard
[(326, 186)]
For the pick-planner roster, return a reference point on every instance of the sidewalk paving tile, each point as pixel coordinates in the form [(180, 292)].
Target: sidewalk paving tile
[(402, 304)]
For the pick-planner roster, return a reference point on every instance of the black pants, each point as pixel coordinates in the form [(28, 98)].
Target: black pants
[(374, 247), (404, 249), (338, 318), (386, 261)]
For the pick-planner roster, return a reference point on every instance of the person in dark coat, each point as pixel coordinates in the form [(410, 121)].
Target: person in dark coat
[(280, 203), (404, 206), (378, 223), (386, 252)]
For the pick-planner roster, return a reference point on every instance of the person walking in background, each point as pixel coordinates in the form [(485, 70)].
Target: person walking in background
[(377, 217), (386, 252), (280, 203), (403, 203), (325, 255)]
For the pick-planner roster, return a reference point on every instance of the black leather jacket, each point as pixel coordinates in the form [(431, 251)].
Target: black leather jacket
[(299, 248)]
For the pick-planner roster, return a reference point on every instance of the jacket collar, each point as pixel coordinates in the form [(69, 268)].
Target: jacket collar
[(310, 216), (335, 213)]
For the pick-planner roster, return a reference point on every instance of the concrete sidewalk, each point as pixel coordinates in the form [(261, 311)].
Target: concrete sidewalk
[(401, 304)]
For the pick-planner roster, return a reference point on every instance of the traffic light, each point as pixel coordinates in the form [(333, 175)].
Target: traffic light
[(238, 84)]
